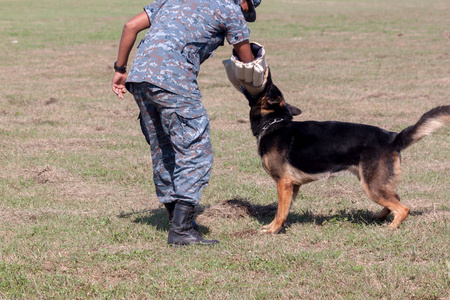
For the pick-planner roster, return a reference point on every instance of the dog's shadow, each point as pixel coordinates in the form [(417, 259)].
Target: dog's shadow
[(265, 214), (241, 208)]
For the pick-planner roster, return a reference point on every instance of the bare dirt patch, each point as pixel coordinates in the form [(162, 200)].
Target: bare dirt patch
[(51, 174), (237, 208)]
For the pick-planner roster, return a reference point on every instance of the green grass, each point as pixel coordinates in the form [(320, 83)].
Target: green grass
[(78, 214)]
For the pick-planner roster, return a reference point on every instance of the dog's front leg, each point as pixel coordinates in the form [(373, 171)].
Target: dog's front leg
[(287, 192)]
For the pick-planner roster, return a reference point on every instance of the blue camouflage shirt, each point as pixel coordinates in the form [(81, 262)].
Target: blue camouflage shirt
[(182, 35)]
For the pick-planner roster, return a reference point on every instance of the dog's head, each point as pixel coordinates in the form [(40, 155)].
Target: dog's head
[(270, 104)]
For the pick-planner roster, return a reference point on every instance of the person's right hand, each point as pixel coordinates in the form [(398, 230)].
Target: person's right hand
[(118, 84)]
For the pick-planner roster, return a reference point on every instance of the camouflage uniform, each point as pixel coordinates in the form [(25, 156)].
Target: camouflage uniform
[(163, 80)]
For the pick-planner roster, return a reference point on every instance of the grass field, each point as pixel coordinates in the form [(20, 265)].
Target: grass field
[(78, 214)]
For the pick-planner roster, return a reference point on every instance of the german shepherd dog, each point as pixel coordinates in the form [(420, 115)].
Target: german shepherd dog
[(296, 153)]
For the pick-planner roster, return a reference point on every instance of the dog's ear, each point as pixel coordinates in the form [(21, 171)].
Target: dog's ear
[(274, 95), (269, 78), (295, 111)]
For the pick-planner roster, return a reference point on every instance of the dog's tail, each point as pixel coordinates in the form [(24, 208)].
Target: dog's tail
[(427, 124)]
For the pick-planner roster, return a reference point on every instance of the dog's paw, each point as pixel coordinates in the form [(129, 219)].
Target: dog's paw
[(394, 225), (268, 226), (272, 230)]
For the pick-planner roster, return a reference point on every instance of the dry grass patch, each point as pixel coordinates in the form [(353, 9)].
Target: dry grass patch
[(78, 214)]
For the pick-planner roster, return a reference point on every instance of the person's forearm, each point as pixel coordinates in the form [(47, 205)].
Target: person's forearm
[(244, 51)]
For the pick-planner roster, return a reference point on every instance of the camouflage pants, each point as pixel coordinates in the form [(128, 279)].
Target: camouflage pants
[(177, 130)]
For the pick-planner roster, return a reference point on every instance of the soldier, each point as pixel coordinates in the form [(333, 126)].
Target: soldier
[(181, 35)]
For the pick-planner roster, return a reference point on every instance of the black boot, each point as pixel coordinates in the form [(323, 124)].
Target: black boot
[(181, 231), (170, 208)]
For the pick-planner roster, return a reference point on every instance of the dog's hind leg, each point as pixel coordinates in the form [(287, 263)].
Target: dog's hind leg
[(391, 203), (383, 214), (287, 192), (378, 180)]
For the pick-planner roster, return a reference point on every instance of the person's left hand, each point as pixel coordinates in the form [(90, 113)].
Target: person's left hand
[(118, 84)]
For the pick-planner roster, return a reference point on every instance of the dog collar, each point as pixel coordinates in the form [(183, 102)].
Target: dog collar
[(276, 120)]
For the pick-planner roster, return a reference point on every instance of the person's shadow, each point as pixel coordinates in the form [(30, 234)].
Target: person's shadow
[(242, 208), (157, 218), (154, 217)]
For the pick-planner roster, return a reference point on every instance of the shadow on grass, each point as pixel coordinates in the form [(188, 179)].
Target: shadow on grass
[(265, 214), (157, 218), (241, 208)]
